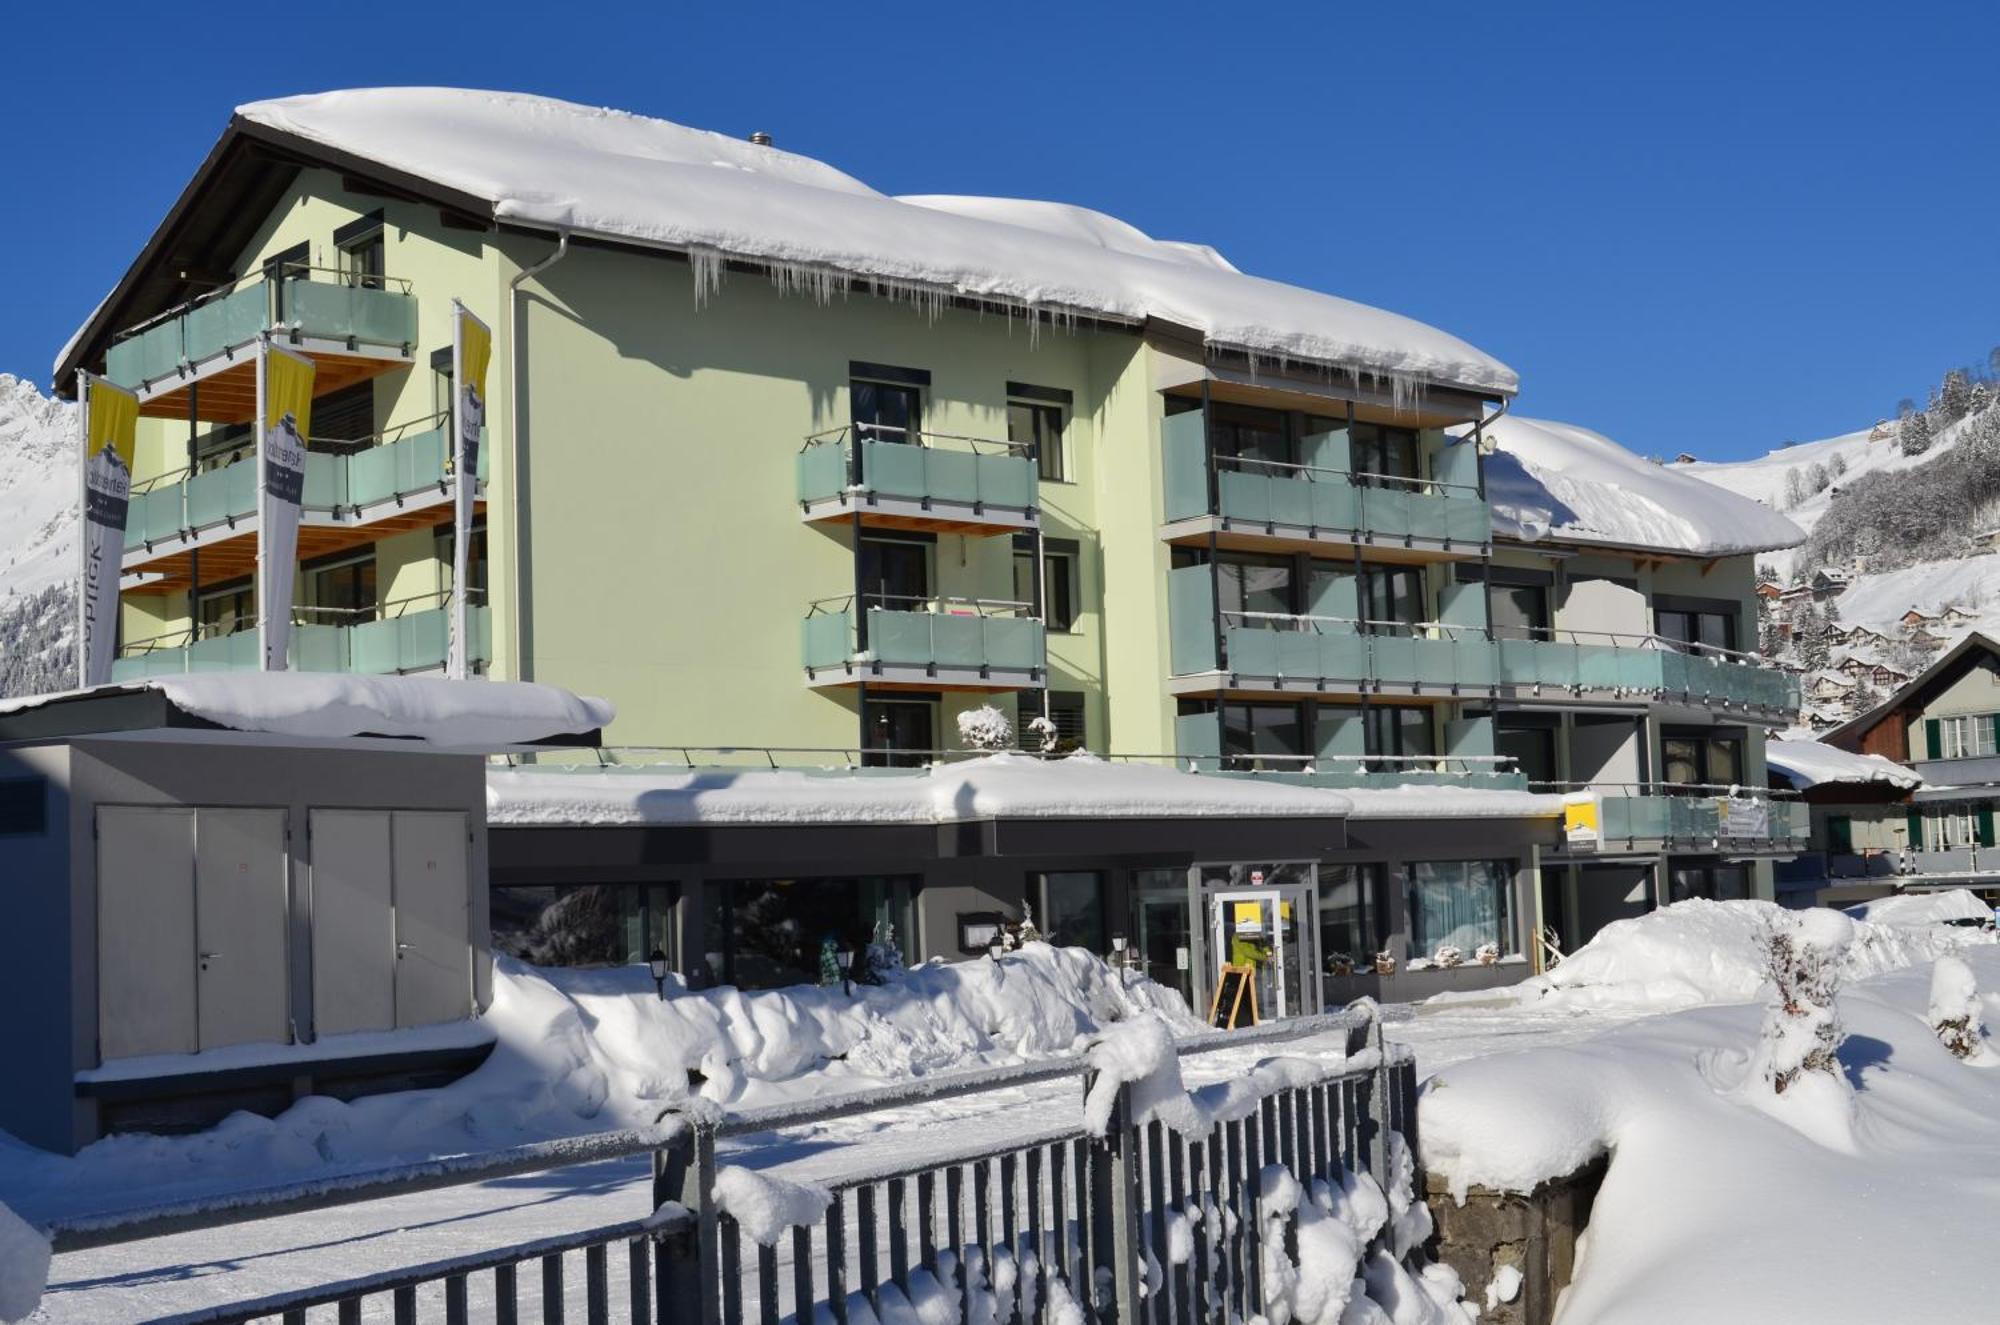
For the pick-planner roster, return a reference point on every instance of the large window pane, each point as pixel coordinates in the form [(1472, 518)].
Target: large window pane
[(1459, 903), (768, 933), (591, 925), (1352, 912), (1072, 910)]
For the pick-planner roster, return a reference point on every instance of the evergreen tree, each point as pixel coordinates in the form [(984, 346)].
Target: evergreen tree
[(1913, 435)]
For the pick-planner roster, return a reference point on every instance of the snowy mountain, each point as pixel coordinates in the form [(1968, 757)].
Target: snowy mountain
[(37, 538)]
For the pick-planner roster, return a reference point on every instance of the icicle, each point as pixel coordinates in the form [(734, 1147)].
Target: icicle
[(707, 266)]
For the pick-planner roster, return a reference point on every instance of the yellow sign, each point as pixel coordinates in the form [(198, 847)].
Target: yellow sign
[(1249, 913), (475, 351), (112, 420), (1580, 818)]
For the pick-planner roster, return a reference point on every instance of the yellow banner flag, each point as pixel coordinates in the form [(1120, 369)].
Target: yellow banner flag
[(112, 420), (289, 390), (475, 351)]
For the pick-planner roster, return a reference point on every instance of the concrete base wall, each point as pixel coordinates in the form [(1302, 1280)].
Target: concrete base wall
[(1536, 1234)]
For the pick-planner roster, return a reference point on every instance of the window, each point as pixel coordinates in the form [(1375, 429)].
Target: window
[(226, 609), (1701, 760), (447, 552), (1058, 588), (588, 925), (1071, 911), (441, 401), (1696, 630), (896, 573), (1718, 883), (1248, 434), (1395, 600), (294, 264), (360, 246), (1065, 711), (768, 933), (1957, 827), (339, 590), (1353, 914), (1258, 586), (1399, 730), (899, 733), (1252, 730), (1384, 456), (1035, 416), (343, 421), (221, 447), (1518, 604), (1464, 904), (887, 403), (1530, 742), (1967, 736)]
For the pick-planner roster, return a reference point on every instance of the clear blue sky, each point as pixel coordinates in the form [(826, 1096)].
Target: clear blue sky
[(1687, 226)]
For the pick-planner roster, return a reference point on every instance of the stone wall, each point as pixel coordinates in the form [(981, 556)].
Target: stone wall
[(1534, 1234)]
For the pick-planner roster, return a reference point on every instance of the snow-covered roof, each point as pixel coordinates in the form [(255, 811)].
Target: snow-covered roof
[(596, 172), (989, 787), (447, 714), (1561, 483), (1921, 909), (1805, 764), (1431, 802)]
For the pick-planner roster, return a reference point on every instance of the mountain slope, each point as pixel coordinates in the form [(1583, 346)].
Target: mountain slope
[(37, 539)]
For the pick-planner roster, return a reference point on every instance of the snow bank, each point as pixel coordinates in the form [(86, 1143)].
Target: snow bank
[(1878, 601), (607, 173), (1806, 763), (579, 1051), (1713, 1210), (1699, 951), (1921, 910), (449, 714), (993, 786), (24, 1267), (1548, 480)]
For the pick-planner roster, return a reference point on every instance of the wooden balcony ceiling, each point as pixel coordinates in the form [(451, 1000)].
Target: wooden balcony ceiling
[(235, 557), (230, 396), (835, 519)]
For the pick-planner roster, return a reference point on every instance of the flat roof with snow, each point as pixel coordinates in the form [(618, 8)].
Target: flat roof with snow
[(1808, 764), (305, 707)]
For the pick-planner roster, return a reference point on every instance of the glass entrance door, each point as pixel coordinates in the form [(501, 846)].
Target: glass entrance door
[(1265, 930), (1164, 943)]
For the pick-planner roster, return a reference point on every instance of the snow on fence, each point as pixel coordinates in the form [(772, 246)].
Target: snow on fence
[(1142, 1218)]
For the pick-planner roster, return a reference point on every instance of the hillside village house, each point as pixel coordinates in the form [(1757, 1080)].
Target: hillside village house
[(788, 467)]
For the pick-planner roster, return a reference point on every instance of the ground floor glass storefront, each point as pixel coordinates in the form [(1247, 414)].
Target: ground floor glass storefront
[(767, 933), (582, 925), (1462, 904)]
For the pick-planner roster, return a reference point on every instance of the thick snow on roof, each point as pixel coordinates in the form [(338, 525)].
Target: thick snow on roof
[(1813, 764), (613, 174), (1428, 802), (1556, 481), (458, 715), (994, 786)]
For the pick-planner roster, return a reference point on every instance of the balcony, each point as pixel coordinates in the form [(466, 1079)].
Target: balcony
[(1366, 772), (897, 479), (351, 331), (1262, 505), (926, 644), (411, 635), (403, 482), (1613, 819), (1288, 654)]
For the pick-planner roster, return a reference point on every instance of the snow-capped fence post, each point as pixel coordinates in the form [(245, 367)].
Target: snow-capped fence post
[(1380, 1117), (1114, 1213), (687, 1258)]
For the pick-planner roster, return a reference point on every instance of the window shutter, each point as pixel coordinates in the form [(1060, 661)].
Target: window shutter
[(1933, 738), (1986, 824), (1995, 719), (1916, 822)]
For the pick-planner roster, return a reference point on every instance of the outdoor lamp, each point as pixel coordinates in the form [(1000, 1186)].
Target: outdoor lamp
[(657, 961), (995, 951), (846, 960)]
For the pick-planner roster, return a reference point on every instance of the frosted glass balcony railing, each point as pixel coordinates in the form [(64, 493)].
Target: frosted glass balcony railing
[(1698, 814), (1315, 500), (328, 309), (405, 637), (960, 634), (407, 459), (962, 472)]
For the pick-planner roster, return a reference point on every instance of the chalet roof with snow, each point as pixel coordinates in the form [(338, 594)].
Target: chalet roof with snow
[(1803, 765), (1553, 482), (498, 158), (1881, 729)]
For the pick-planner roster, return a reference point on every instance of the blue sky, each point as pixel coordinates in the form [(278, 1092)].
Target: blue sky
[(1687, 226)]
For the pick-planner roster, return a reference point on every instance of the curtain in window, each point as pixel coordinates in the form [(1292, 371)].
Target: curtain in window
[(1463, 904)]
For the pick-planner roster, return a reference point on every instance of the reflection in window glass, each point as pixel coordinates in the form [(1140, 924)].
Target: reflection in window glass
[(592, 925), (1352, 912), (767, 933), (1072, 910), (1459, 903)]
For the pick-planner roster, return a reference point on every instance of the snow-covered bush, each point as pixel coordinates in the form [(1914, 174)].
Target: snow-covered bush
[(1487, 954), (1385, 962), (1802, 1032), (985, 728), (1449, 954), (1955, 1012), (885, 955), (1045, 734)]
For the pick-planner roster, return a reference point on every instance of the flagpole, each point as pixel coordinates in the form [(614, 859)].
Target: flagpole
[(261, 571), (83, 530), (461, 502)]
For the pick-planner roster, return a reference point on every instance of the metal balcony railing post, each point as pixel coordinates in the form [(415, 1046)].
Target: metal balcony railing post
[(1114, 1207), (688, 1253)]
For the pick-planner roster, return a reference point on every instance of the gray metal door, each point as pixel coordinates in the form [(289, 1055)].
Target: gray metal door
[(433, 918), (353, 922), (145, 931), (240, 927)]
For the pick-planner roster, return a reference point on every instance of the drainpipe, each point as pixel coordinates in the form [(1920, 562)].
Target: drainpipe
[(517, 428)]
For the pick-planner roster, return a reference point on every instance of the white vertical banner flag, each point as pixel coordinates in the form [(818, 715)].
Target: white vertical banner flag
[(104, 483), (471, 352), (284, 417)]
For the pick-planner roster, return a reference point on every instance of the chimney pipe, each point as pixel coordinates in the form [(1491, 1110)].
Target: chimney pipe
[(761, 138)]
